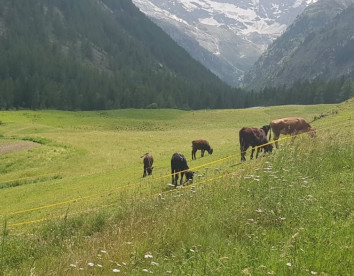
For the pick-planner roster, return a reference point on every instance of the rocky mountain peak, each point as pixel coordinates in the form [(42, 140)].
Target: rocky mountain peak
[(227, 36)]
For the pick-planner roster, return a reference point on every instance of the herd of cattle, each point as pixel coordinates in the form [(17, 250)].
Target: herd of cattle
[(249, 137)]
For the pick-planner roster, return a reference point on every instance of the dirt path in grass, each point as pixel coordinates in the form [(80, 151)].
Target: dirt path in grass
[(6, 147)]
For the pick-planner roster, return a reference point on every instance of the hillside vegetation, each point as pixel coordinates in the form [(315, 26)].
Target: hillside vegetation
[(317, 46), (77, 204), (92, 54)]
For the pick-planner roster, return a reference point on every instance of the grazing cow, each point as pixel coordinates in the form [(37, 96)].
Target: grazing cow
[(266, 129), (292, 126), (253, 137), (179, 164), (147, 161), (202, 145)]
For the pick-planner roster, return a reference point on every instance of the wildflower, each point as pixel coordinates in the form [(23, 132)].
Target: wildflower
[(99, 265), (153, 263), (251, 220), (104, 251), (259, 210), (288, 264), (145, 270), (91, 264), (313, 272), (148, 256), (116, 270), (73, 265)]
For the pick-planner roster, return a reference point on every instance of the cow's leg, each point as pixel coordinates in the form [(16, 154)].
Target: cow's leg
[(173, 177), (176, 179), (203, 152), (243, 153), (276, 137), (252, 153), (293, 136), (180, 183), (258, 150), (144, 174), (193, 154)]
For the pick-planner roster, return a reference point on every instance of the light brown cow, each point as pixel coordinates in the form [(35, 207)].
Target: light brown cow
[(292, 126)]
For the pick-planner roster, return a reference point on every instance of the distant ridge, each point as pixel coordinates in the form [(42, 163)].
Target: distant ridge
[(319, 44)]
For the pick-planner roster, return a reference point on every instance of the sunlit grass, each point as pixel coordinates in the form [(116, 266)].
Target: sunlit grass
[(287, 213)]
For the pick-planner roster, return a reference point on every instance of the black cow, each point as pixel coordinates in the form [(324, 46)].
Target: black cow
[(179, 164), (202, 145), (147, 161), (253, 137)]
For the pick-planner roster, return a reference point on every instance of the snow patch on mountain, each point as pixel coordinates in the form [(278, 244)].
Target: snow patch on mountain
[(236, 32)]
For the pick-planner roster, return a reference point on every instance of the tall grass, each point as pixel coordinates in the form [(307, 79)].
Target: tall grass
[(290, 212)]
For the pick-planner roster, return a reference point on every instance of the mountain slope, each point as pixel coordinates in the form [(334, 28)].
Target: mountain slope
[(226, 36), (92, 54), (317, 45)]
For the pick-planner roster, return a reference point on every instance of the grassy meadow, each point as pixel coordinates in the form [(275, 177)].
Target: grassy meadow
[(78, 205)]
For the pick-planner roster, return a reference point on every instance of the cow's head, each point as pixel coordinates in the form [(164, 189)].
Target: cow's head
[(312, 132), (149, 170), (189, 175), (266, 129), (210, 151)]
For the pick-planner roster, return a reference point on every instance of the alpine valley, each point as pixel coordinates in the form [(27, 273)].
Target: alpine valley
[(226, 36)]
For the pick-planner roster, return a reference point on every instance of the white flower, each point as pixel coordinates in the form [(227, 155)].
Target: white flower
[(148, 256), (90, 264), (73, 265), (104, 251), (145, 270), (153, 263), (99, 265), (288, 264), (313, 272), (116, 270)]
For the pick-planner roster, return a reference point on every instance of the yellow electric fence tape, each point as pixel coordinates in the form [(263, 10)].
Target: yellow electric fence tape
[(347, 123)]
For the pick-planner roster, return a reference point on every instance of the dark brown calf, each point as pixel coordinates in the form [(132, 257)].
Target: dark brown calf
[(253, 137), (202, 145), (179, 164), (147, 161)]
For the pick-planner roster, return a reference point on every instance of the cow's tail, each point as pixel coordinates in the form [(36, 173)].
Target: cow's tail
[(270, 134)]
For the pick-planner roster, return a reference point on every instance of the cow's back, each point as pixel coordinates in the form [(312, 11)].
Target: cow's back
[(200, 144), (289, 125)]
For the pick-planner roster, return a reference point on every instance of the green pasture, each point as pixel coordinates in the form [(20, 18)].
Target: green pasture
[(81, 195)]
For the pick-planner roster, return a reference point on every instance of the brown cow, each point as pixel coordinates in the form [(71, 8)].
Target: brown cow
[(292, 126), (147, 161), (253, 137), (202, 145)]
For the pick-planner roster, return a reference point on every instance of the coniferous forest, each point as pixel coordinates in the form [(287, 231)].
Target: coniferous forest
[(91, 54)]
